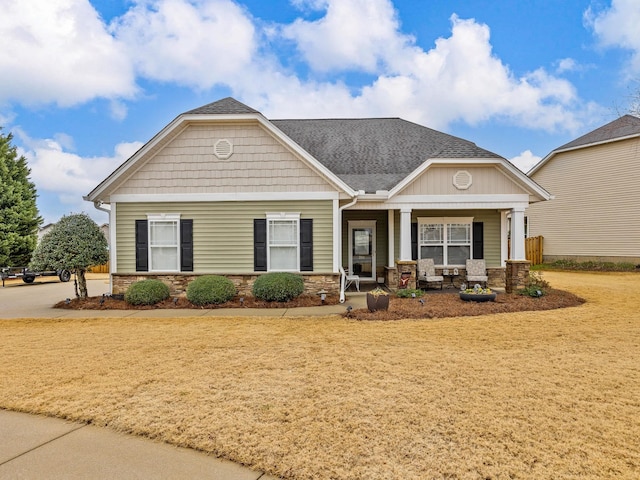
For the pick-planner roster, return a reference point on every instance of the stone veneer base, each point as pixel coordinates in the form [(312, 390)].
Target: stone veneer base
[(178, 282)]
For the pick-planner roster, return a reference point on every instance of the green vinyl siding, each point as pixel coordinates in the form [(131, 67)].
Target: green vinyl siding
[(223, 231), (490, 218)]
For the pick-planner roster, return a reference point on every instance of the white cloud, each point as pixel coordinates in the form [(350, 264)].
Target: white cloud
[(459, 79), (566, 65), (197, 43), (526, 160), (353, 35), (59, 52), (618, 26), (68, 176)]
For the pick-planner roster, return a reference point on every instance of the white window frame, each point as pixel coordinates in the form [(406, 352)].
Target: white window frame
[(445, 222), (283, 217), (163, 217)]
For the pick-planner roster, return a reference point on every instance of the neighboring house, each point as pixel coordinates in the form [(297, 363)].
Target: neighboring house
[(223, 190), (595, 180), (42, 231)]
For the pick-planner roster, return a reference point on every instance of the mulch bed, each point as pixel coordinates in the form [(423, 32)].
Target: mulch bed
[(109, 303), (450, 305), (436, 305)]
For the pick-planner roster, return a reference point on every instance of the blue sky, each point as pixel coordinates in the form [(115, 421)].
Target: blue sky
[(84, 83)]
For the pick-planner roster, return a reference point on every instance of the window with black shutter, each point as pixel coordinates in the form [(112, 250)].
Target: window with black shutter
[(306, 245)]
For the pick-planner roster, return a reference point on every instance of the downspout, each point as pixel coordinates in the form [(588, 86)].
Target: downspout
[(343, 276), (99, 206)]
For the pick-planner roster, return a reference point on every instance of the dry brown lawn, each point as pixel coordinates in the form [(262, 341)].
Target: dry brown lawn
[(544, 394)]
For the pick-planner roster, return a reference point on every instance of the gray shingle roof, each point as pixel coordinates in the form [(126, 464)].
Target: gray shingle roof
[(368, 154), (375, 153), (622, 127), (221, 107)]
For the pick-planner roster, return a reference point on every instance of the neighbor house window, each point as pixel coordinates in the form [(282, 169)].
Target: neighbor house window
[(164, 243), (447, 240), (283, 242)]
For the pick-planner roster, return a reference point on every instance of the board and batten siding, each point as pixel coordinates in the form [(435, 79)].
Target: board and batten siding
[(595, 210), (490, 219), (223, 232), (485, 181), (259, 163)]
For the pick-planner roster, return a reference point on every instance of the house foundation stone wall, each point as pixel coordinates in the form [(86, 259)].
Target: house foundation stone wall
[(178, 283)]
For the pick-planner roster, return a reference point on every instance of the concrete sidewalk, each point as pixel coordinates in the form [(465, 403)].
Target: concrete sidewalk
[(36, 447)]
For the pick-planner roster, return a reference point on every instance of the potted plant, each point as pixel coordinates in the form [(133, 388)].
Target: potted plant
[(377, 299), (477, 294)]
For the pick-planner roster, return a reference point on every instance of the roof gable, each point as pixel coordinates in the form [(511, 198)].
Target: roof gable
[(370, 155), (621, 128), (374, 154), (226, 106), (624, 126)]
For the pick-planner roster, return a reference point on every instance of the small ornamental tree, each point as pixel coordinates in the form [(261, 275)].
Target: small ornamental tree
[(19, 219), (75, 243)]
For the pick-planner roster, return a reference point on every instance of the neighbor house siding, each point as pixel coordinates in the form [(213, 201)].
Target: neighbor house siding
[(485, 181), (259, 163), (223, 232), (595, 210)]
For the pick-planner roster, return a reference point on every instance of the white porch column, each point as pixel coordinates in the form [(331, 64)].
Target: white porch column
[(391, 239), (405, 234), (517, 234), (504, 238)]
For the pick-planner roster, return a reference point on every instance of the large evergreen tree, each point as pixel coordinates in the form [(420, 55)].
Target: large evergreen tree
[(75, 243), (19, 218)]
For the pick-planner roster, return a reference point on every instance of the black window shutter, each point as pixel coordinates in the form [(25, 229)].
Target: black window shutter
[(260, 244), (306, 245), (414, 241), (478, 240), (186, 245), (142, 246)]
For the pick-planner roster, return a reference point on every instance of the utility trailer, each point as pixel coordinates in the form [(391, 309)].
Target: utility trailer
[(28, 276)]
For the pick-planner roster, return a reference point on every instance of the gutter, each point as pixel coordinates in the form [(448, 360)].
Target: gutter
[(98, 204)]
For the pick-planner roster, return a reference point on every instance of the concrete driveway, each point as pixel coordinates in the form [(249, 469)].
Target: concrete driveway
[(22, 300)]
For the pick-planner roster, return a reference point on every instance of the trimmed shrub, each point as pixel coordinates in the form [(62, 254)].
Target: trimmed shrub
[(146, 292), (278, 286), (536, 286), (409, 292), (210, 289)]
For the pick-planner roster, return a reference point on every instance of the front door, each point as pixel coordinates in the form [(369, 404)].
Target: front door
[(362, 249)]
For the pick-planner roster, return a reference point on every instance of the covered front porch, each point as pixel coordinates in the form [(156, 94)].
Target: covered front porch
[(380, 244)]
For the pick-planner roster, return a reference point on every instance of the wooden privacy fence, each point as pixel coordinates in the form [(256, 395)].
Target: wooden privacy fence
[(104, 268), (533, 249)]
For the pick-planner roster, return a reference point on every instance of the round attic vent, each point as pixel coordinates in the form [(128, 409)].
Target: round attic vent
[(223, 149), (462, 179)]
